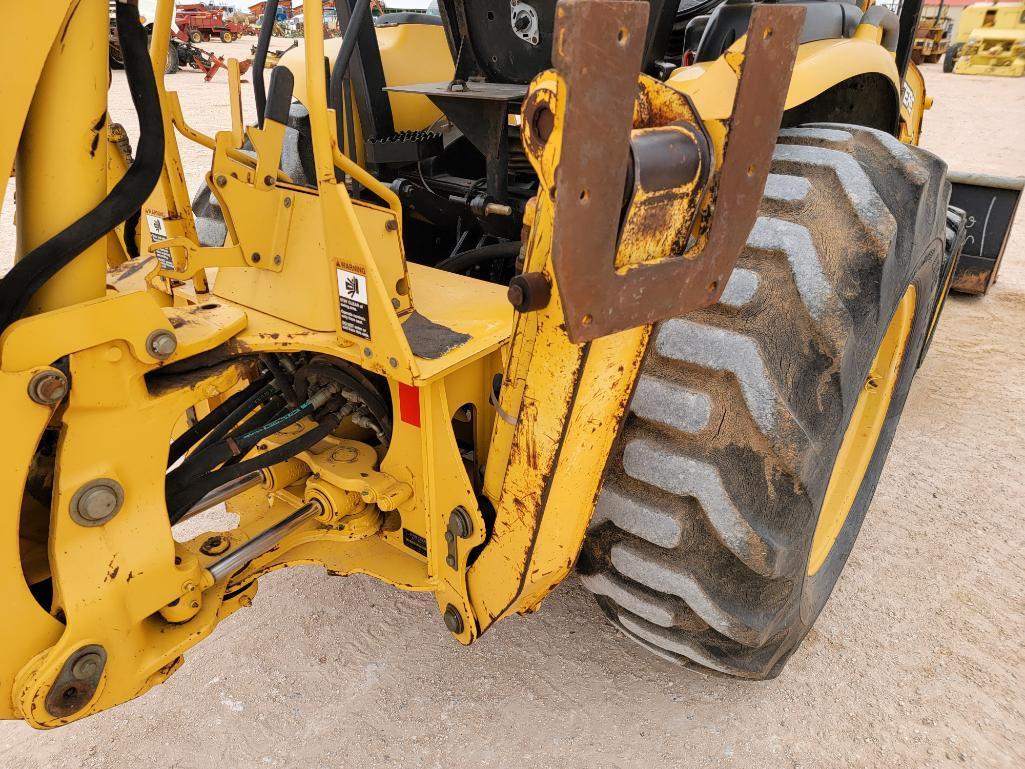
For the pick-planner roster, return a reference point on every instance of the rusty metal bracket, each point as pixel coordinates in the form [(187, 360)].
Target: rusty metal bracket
[(599, 62)]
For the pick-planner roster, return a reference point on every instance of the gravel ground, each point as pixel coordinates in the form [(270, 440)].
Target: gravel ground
[(917, 660)]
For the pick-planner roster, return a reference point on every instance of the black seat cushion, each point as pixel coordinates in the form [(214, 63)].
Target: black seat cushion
[(824, 20)]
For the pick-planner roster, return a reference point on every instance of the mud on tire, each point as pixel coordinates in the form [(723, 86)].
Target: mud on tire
[(699, 545)]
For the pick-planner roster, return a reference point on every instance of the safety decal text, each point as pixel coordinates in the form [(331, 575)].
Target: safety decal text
[(353, 304), (157, 233)]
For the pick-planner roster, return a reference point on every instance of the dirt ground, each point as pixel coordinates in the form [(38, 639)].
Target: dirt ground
[(917, 661)]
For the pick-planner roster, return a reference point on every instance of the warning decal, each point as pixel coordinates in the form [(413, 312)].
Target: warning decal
[(157, 233), (353, 304)]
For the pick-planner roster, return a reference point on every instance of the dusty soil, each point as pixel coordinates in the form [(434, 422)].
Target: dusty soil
[(917, 660)]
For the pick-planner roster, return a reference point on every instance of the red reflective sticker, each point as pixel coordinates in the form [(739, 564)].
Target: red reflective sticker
[(409, 404)]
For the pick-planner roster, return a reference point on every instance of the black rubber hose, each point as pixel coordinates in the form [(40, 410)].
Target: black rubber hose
[(509, 249), (281, 378), (205, 458), (270, 14), (341, 66), (190, 437), (28, 275), (271, 410), (178, 504), (237, 414), (364, 390)]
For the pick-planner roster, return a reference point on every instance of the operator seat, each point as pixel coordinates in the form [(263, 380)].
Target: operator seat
[(824, 20)]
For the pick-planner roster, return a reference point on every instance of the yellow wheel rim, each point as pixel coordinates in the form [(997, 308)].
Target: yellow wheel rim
[(863, 431)]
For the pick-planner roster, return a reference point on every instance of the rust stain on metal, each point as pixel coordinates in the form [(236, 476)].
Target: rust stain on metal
[(971, 281), (592, 170)]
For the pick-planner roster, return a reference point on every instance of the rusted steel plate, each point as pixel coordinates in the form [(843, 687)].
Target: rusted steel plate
[(598, 54)]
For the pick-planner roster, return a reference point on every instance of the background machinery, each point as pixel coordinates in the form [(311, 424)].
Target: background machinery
[(989, 40), (932, 37), (198, 24), (632, 288)]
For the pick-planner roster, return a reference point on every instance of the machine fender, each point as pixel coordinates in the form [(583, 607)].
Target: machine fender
[(820, 65)]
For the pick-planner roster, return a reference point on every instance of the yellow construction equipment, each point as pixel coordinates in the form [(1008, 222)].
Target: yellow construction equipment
[(989, 40), (633, 288)]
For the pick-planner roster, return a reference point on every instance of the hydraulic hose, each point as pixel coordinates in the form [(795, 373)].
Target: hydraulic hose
[(281, 378), (180, 503), (270, 410), (237, 414), (44, 261), (348, 380), (206, 458), (270, 14), (460, 262), (190, 437)]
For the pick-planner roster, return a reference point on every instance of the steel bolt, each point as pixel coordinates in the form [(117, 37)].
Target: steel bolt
[(287, 202), (393, 363), (48, 387), (268, 180), (215, 545), (161, 344), (97, 502), (221, 180), (87, 666), (391, 225), (277, 259), (453, 619), (255, 257)]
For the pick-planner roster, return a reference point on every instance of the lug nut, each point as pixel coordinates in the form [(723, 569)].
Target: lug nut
[(161, 344), (97, 502), (48, 387)]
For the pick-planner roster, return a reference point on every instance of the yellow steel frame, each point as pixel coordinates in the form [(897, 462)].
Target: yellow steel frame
[(127, 585)]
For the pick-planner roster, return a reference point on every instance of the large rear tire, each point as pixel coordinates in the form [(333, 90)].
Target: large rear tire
[(759, 426)]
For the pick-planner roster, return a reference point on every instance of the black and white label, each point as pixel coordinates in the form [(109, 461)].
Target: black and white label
[(157, 233), (908, 97), (414, 541), (353, 304)]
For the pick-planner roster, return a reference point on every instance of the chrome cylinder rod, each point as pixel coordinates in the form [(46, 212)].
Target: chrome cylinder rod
[(224, 493), (263, 542)]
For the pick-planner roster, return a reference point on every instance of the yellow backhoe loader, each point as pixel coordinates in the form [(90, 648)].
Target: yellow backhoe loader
[(487, 296)]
